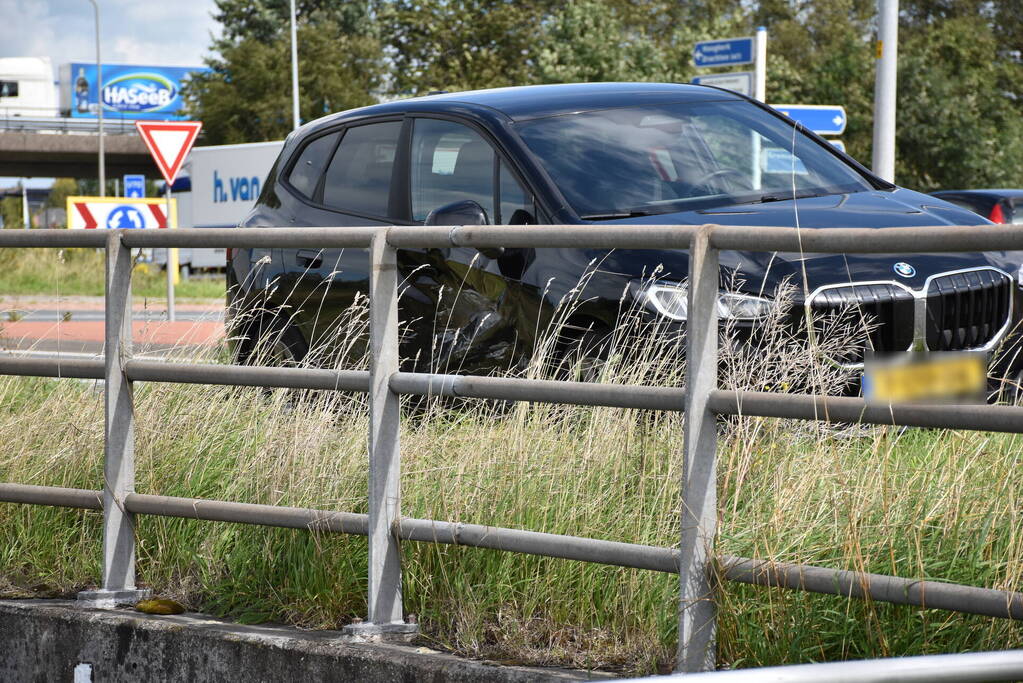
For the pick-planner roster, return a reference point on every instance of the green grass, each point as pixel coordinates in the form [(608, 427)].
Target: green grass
[(79, 272), (925, 504)]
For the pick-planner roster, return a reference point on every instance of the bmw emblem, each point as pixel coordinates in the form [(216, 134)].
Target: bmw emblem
[(904, 269)]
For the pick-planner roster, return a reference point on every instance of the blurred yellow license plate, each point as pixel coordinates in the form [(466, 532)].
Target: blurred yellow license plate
[(933, 377)]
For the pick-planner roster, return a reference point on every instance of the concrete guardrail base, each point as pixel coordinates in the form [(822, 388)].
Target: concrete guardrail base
[(58, 640)]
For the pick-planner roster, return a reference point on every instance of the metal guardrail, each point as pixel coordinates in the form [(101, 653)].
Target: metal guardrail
[(1006, 665), (702, 402), (65, 124)]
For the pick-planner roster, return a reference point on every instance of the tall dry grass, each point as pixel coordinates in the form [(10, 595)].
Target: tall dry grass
[(917, 503)]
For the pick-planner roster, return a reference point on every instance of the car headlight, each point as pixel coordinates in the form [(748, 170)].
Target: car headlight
[(672, 302)]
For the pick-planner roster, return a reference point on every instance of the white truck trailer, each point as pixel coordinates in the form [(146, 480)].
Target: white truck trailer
[(223, 182)]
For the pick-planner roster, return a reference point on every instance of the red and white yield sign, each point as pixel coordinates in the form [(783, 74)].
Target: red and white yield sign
[(119, 213), (169, 142)]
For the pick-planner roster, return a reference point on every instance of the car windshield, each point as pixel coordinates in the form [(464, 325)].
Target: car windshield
[(681, 157)]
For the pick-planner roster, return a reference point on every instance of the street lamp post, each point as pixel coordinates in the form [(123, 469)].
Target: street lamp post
[(884, 89), (294, 70), (25, 217), (99, 106)]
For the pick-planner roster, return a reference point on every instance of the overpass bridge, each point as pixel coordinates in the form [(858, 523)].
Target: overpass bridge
[(48, 155), (48, 147)]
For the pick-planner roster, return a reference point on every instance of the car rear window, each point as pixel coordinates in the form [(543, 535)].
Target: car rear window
[(306, 172), (980, 205), (359, 176), (1017, 211)]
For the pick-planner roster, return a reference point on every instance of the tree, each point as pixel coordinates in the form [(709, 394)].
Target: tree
[(461, 44), (587, 40), (966, 52), (594, 40), (246, 97), (823, 53), (465, 44), (11, 212), (960, 123), (61, 189)]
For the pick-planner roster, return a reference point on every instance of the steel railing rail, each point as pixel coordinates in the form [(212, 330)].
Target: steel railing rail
[(979, 417), (63, 124), (189, 373), (248, 513), (942, 238), (246, 376), (55, 496), (71, 368), (878, 587), (971, 667), (539, 391), (386, 526), (750, 403), (276, 238)]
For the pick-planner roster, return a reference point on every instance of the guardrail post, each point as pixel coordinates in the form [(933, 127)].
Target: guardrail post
[(118, 586), (697, 608), (385, 601)]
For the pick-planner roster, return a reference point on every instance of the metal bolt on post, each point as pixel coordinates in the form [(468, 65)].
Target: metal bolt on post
[(385, 619), (697, 607), (118, 586)]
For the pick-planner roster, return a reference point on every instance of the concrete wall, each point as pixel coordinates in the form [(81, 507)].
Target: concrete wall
[(51, 641)]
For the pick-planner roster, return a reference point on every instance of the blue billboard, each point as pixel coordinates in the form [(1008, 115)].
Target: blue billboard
[(129, 91)]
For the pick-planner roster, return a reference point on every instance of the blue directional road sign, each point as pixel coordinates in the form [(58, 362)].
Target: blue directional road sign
[(823, 119), (135, 186), (723, 52)]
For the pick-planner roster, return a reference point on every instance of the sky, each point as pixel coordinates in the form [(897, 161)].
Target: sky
[(153, 32), (148, 32)]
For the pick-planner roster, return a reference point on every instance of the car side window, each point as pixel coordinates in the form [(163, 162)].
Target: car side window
[(516, 205), (306, 172), (359, 176), (450, 162)]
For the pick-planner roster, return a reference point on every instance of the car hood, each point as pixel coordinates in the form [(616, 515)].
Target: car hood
[(764, 271)]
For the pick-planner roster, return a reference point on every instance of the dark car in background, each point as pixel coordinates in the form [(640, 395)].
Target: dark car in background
[(606, 154), (998, 206)]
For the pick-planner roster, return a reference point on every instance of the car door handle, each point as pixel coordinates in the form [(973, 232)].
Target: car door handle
[(308, 258)]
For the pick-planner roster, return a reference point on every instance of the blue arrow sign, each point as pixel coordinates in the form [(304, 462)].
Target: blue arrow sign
[(135, 186), (823, 119), (723, 52)]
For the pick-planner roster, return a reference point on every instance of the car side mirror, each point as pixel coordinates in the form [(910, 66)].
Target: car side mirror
[(465, 212)]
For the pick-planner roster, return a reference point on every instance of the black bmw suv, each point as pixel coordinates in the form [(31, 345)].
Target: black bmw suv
[(604, 153)]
